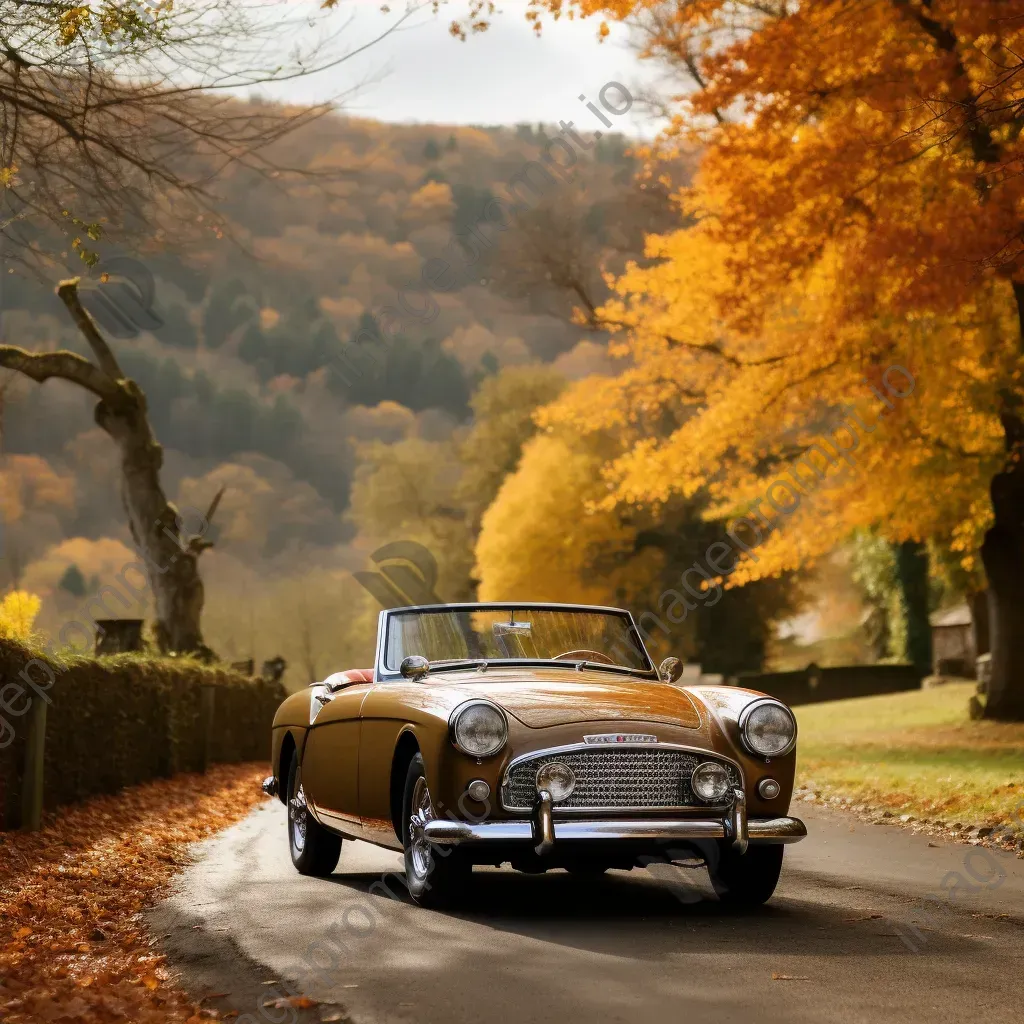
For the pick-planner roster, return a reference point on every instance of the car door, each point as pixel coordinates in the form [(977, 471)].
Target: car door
[(330, 761)]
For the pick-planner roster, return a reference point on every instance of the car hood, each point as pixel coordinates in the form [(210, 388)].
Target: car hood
[(542, 698)]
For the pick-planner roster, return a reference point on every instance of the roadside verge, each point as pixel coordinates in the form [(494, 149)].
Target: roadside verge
[(73, 944)]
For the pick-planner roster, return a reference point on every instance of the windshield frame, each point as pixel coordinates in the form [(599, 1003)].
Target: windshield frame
[(383, 673)]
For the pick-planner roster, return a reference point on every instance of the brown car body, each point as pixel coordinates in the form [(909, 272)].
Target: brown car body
[(355, 734)]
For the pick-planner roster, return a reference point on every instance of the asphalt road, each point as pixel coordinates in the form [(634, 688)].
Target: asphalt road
[(549, 948)]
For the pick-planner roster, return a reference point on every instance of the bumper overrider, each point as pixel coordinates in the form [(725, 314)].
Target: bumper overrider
[(544, 833)]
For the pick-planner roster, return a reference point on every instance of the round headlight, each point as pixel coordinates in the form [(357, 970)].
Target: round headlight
[(710, 781), (768, 728), (558, 779), (479, 729)]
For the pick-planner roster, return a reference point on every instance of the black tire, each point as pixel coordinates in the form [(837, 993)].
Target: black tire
[(314, 850), (437, 877), (585, 871), (749, 879)]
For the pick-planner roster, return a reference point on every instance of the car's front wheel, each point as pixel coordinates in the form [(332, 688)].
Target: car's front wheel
[(748, 879), (436, 877), (315, 851)]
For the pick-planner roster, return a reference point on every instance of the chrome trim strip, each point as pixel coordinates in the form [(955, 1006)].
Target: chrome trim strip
[(768, 830), (604, 748), (318, 700)]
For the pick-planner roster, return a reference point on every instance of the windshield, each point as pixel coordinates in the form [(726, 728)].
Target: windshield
[(514, 633)]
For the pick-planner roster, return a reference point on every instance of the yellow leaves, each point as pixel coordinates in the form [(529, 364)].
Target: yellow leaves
[(544, 533), (72, 23), (18, 611)]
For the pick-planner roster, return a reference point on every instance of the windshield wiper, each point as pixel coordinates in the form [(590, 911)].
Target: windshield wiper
[(458, 666), (483, 664), (607, 668)]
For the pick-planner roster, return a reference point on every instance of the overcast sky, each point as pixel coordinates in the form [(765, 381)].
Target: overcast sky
[(504, 76)]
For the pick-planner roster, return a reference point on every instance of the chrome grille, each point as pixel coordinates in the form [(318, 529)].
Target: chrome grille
[(627, 776)]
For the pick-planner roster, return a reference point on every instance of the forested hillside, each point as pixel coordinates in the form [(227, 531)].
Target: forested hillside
[(259, 381)]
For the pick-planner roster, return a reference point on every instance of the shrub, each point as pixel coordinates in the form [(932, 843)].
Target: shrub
[(18, 611), (120, 720)]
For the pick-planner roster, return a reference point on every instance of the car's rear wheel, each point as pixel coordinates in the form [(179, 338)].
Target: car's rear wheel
[(315, 851), (436, 877), (749, 879)]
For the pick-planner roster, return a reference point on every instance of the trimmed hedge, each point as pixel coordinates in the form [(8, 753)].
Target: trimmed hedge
[(120, 720), (824, 684)]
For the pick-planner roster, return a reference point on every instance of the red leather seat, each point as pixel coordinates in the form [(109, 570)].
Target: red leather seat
[(350, 677), (357, 675)]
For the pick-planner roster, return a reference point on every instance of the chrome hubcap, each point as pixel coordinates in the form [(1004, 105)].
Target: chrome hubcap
[(422, 811), (297, 818)]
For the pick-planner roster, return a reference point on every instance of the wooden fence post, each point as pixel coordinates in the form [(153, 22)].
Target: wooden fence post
[(208, 695), (32, 779)]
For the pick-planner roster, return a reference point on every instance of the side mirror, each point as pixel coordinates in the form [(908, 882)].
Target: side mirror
[(414, 667), (670, 669)]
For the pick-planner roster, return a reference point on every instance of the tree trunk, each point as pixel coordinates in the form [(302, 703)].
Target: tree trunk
[(978, 601), (171, 564), (1002, 554), (169, 552), (912, 574)]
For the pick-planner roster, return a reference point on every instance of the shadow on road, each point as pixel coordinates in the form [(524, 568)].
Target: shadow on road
[(603, 914)]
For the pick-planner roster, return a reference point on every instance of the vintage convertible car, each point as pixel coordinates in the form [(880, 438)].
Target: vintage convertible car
[(539, 735)]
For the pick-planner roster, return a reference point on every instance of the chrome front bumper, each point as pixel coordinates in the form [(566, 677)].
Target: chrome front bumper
[(543, 831)]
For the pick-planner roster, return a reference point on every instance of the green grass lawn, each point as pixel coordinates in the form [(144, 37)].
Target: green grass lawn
[(915, 752)]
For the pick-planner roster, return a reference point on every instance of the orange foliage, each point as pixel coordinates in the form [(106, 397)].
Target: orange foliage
[(72, 944), (28, 482), (857, 206)]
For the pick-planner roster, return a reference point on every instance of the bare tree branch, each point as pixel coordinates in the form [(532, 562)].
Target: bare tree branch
[(67, 291), (41, 366)]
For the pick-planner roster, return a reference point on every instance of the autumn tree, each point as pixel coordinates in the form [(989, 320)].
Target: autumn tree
[(407, 491), (856, 210), (112, 114), (503, 409)]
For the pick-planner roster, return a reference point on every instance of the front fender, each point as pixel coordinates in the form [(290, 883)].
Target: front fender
[(291, 720)]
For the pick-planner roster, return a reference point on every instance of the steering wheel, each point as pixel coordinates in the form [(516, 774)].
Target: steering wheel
[(584, 656)]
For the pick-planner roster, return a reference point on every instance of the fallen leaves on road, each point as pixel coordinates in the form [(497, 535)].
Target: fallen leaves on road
[(294, 1002), (73, 946)]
